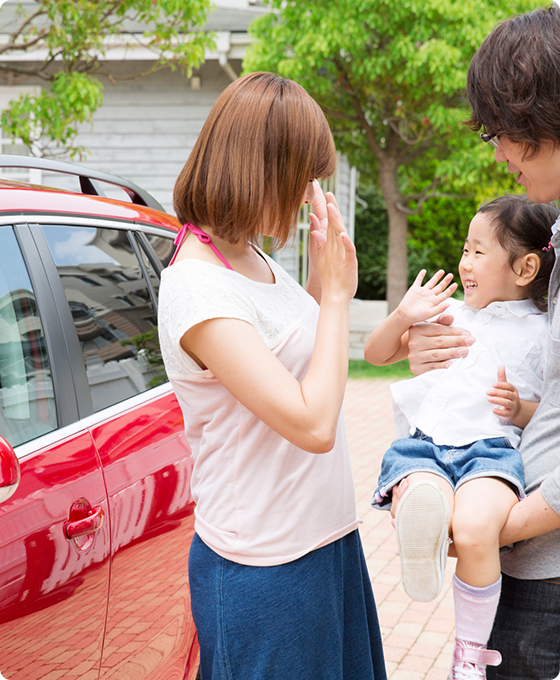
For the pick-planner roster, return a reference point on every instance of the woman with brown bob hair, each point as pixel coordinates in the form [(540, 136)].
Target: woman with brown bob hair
[(279, 585)]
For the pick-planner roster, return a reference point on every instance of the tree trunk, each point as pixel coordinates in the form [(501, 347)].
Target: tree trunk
[(397, 258)]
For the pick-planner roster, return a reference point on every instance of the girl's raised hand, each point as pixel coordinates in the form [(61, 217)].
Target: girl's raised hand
[(337, 263), (422, 302)]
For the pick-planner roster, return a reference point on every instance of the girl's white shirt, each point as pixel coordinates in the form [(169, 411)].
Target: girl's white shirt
[(451, 405), (260, 500)]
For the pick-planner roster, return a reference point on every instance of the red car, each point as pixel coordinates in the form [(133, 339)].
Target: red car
[(96, 516)]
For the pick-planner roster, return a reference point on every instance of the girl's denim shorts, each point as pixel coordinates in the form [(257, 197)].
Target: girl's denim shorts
[(457, 464)]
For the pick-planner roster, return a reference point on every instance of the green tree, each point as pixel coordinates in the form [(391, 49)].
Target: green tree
[(71, 37), (391, 78), (437, 236), (371, 232), (435, 239)]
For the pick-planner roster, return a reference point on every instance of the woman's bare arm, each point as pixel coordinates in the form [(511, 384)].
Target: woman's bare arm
[(306, 414)]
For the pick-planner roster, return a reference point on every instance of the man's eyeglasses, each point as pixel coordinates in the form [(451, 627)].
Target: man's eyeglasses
[(490, 139)]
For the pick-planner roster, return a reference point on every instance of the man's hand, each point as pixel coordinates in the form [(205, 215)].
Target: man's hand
[(434, 345)]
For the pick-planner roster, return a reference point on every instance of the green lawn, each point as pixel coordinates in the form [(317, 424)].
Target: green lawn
[(361, 369)]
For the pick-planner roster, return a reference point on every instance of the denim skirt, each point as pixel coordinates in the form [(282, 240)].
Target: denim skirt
[(310, 619)]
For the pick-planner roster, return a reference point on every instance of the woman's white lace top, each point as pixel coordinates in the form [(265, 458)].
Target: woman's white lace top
[(260, 500)]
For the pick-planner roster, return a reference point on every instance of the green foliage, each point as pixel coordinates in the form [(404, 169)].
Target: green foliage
[(390, 76), (75, 35), (436, 236), (361, 369), (72, 99), (370, 237), (434, 242), (391, 79), (147, 344)]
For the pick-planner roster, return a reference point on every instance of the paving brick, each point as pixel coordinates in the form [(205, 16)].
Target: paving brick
[(413, 662), (418, 636), (395, 653), (407, 675), (437, 674)]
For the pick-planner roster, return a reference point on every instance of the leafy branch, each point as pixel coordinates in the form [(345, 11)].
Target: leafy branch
[(66, 42)]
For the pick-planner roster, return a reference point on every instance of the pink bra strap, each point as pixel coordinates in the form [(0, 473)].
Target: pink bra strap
[(202, 237)]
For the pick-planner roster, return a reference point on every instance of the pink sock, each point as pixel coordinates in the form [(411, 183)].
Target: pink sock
[(475, 609)]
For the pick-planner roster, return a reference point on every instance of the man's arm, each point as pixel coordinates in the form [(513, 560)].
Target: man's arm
[(530, 517), (434, 345)]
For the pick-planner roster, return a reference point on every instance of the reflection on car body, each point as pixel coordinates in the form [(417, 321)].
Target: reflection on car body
[(96, 516)]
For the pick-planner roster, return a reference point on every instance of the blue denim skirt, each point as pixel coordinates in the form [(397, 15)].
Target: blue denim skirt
[(311, 619)]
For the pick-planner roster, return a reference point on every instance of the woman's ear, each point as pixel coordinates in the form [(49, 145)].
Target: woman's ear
[(526, 268)]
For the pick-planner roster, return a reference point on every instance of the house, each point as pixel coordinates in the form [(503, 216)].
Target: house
[(147, 126)]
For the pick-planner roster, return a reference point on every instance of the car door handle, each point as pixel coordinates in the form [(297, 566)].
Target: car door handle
[(87, 525), (9, 470)]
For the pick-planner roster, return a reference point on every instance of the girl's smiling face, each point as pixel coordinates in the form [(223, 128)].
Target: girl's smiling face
[(485, 271)]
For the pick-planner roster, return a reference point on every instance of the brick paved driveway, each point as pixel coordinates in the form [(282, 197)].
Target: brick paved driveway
[(417, 636)]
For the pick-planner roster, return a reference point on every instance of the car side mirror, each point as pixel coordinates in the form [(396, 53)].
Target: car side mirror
[(9, 470)]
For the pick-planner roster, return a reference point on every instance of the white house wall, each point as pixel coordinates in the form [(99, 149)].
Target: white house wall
[(146, 128)]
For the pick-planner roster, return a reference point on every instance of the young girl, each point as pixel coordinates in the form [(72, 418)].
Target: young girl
[(279, 586), (461, 470)]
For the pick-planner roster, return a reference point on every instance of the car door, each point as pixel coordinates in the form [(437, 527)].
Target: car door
[(109, 274), (54, 543)]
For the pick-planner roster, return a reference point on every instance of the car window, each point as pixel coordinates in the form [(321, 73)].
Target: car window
[(150, 271), (163, 247), (111, 308), (27, 407)]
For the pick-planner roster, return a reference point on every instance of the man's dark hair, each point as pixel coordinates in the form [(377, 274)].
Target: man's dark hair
[(513, 83)]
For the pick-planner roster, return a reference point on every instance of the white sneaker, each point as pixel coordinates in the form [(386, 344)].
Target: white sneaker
[(470, 660), (421, 523)]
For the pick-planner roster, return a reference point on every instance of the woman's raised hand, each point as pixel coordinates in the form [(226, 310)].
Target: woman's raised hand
[(318, 218), (422, 302), (318, 222), (337, 264)]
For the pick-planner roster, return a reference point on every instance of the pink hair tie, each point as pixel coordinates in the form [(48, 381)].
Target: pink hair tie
[(548, 247)]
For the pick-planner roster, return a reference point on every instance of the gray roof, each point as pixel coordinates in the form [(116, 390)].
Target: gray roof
[(233, 20), (221, 19)]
